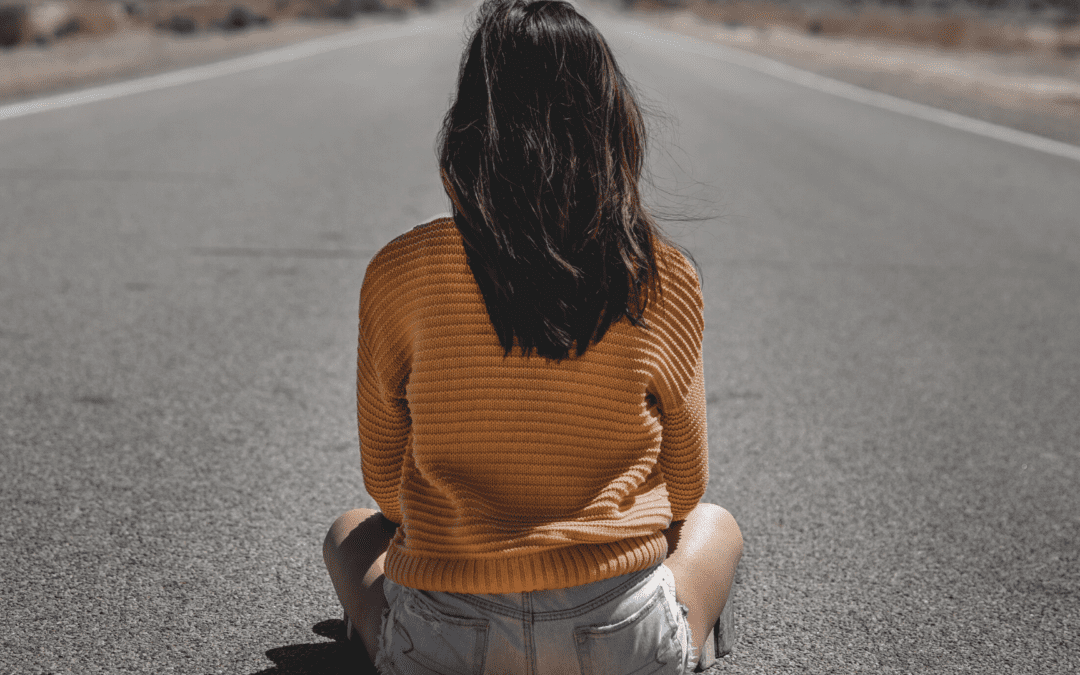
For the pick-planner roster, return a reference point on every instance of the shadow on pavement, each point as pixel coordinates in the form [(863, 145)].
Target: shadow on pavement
[(320, 658)]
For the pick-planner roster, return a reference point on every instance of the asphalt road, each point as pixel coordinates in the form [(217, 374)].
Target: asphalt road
[(893, 362)]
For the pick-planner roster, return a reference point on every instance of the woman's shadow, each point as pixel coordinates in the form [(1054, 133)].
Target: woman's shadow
[(321, 658)]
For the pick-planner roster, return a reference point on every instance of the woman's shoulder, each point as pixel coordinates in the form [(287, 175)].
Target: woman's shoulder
[(435, 239), (677, 271), (677, 309), (413, 265), (426, 237)]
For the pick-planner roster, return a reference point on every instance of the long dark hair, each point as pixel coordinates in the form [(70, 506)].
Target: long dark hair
[(541, 153)]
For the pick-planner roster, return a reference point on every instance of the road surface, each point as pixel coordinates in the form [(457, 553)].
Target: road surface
[(892, 345)]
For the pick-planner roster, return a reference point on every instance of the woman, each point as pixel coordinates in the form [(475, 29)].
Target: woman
[(530, 394)]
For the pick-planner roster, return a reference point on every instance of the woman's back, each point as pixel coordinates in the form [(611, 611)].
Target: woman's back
[(498, 462)]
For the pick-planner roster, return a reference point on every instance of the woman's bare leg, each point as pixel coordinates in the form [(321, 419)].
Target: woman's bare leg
[(354, 552), (703, 552)]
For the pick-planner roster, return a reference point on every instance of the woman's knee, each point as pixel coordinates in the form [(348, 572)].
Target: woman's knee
[(342, 527), (723, 524), (720, 524)]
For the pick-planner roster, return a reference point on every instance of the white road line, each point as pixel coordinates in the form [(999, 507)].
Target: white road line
[(782, 71), (303, 50)]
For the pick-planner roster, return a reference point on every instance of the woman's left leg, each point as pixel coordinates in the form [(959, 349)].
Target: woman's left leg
[(354, 552)]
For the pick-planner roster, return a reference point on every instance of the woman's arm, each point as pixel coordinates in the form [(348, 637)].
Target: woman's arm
[(684, 450), (381, 373), (383, 423)]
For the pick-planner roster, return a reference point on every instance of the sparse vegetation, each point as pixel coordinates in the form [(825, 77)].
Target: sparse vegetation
[(40, 22), (992, 25)]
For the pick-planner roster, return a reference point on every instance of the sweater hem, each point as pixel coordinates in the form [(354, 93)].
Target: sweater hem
[(550, 569)]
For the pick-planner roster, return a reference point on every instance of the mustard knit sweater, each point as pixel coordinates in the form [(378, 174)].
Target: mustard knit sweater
[(512, 474)]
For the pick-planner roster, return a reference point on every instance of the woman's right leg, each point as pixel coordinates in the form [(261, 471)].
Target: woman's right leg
[(355, 552), (703, 552)]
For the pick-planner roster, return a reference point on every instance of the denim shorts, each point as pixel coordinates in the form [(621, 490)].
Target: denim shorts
[(627, 625)]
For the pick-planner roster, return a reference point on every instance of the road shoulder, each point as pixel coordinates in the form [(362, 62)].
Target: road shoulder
[(1030, 91)]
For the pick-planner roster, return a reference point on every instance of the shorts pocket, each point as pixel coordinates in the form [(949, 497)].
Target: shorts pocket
[(644, 643), (422, 640)]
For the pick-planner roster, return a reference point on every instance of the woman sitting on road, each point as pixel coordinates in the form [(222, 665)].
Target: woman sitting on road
[(530, 392)]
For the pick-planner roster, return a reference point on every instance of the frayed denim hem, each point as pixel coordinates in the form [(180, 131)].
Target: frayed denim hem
[(383, 664), (691, 654)]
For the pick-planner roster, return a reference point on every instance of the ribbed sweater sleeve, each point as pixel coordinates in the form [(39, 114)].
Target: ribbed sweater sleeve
[(381, 407), (684, 449)]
